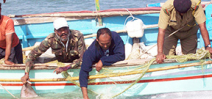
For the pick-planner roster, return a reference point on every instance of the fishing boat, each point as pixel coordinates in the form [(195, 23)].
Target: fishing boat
[(127, 78)]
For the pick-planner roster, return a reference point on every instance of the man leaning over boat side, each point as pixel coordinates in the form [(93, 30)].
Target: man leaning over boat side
[(181, 16), (67, 45), (107, 49), (10, 47)]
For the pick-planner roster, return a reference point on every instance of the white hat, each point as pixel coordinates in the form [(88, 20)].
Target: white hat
[(59, 23)]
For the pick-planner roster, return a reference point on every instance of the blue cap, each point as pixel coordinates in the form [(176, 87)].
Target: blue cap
[(182, 6)]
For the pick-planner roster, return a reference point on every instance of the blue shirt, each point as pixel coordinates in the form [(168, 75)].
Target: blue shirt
[(95, 53)]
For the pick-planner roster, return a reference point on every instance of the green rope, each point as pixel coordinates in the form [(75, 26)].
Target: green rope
[(200, 54), (147, 67), (68, 77), (2, 61)]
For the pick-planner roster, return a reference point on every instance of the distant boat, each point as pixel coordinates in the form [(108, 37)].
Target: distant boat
[(159, 78)]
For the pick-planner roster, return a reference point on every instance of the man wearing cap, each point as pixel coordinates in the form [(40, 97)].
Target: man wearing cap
[(67, 45), (185, 17), (10, 47)]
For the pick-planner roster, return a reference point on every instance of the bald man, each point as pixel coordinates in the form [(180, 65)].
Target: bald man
[(107, 49)]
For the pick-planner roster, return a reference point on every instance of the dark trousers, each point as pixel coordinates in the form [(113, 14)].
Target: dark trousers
[(15, 54), (188, 41)]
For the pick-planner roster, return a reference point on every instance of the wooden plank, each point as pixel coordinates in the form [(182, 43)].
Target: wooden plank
[(93, 35), (46, 66), (106, 76), (44, 18)]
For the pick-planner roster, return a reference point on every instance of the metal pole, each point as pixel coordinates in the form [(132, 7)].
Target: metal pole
[(98, 9)]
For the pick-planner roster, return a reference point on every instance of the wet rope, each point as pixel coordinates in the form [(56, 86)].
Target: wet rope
[(144, 71), (2, 61), (200, 54), (8, 92)]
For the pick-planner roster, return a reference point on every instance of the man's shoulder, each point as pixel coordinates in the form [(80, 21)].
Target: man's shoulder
[(195, 4), (91, 49), (49, 38), (115, 36), (6, 19), (168, 6), (76, 33), (93, 46), (51, 35), (195, 1)]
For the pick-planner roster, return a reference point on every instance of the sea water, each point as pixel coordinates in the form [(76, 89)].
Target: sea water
[(20, 7), (175, 95), (77, 95), (47, 96)]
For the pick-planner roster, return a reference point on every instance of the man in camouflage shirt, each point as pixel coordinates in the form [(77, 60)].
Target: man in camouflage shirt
[(67, 45)]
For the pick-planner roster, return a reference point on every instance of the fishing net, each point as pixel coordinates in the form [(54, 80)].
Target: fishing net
[(113, 82), (122, 79), (110, 76)]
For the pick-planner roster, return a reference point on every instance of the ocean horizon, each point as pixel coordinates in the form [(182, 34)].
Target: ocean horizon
[(21, 7)]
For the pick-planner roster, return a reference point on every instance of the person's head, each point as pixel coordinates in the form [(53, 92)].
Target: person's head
[(182, 6), (61, 29), (104, 38)]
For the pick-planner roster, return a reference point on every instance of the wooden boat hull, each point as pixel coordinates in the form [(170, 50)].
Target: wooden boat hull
[(195, 78)]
